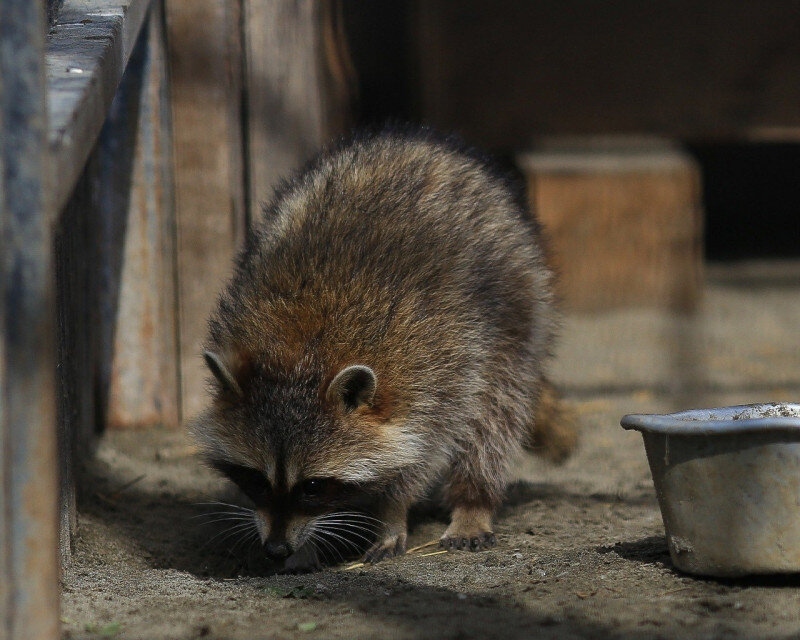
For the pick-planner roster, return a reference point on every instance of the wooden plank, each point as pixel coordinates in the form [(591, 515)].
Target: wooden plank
[(28, 470), (299, 81), (75, 264), (137, 358), (205, 72), (87, 50), (623, 218), (296, 97)]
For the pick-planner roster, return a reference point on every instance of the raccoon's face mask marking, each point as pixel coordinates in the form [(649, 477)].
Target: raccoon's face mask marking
[(330, 516), (307, 457)]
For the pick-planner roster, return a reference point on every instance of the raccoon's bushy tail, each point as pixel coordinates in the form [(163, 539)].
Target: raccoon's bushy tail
[(555, 435)]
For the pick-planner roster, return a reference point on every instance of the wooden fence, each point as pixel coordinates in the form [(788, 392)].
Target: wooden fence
[(137, 139)]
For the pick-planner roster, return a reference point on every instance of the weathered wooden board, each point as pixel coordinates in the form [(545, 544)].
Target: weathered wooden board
[(299, 81), (87, 51), (206, 83), (76, 282), (624, 221), (295, 78), (501, 72), (28, 469), (137, 357)]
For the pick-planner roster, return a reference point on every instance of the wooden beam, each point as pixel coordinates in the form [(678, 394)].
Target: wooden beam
[(87, 52), (28, 470), (503, 72)]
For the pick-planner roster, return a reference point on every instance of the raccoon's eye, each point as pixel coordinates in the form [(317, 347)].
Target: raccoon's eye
[(252, 482), (313, 487)]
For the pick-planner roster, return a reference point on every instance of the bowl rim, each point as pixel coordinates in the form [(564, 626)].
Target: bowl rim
[(715, 421)]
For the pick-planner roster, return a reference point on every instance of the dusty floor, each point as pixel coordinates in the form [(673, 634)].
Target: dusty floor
[(581, 550)]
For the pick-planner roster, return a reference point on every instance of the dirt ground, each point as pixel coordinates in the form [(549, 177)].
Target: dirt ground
[(581, 550)]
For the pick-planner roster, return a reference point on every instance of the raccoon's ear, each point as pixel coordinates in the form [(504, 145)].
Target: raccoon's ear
[(353, 387), (222, 373)]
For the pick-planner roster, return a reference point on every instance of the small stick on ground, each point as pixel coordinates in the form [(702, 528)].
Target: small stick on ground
[(128, 485), (422, 546)]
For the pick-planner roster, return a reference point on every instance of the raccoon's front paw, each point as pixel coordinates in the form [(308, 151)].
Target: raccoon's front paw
[(468, 542), (388, 547)]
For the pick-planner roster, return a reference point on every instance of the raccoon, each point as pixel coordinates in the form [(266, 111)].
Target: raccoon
[(386, 329)]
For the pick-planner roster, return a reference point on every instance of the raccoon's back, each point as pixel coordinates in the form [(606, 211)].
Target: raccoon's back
[(396, 250)]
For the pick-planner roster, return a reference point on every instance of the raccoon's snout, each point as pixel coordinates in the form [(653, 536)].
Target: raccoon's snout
[(277, 550)]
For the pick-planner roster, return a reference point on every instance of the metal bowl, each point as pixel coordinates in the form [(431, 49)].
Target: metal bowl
[(728, 484)]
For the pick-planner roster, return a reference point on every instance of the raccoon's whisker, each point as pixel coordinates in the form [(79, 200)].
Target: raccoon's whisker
[(351, 518), (238, 507), (351, 514), (227, 533), (341, 534), (313, 539), (368, 528), (232, 517), (317, 552), (328, 544), (350, 544), (222, 512), (247, 535), (352, 525)]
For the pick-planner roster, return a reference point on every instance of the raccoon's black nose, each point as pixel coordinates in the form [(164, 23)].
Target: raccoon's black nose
[(276, 550)]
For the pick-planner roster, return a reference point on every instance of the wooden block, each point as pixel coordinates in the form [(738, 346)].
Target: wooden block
[(205, 44), (623, 220)]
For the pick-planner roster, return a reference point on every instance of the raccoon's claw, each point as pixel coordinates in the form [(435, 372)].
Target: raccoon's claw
[(387, 548), (484, 540)]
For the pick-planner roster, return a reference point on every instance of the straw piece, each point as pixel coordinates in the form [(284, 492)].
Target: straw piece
[(422, 546)]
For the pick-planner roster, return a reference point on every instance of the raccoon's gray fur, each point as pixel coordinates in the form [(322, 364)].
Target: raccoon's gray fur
[(387, 327)]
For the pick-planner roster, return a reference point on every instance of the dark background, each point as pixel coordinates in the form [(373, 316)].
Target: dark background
[(721, 77)]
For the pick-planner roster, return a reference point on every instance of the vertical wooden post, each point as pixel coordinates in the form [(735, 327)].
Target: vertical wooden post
[(257, 87), (137, 354), (205, 73), (28, 484), (76, 331), (299, 80)]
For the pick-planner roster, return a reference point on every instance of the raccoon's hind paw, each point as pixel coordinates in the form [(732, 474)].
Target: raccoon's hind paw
[(475, 542), (389, 547), (470, 529)]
